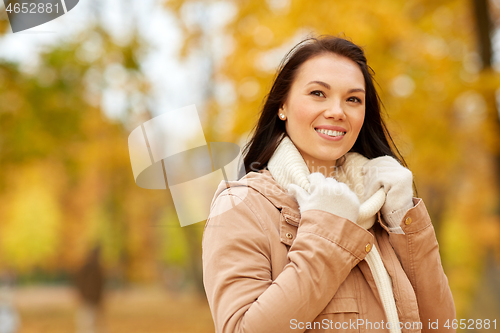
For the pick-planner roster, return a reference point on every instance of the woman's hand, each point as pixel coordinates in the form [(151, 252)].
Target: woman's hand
[(386, 172), (327, 194)]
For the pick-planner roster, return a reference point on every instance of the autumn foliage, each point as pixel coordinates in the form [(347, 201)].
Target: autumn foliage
[(66, 182)]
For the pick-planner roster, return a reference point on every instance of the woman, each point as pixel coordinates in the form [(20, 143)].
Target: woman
[(323, 233)]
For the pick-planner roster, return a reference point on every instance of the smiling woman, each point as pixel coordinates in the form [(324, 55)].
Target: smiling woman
[(323, 232), (325, 109)]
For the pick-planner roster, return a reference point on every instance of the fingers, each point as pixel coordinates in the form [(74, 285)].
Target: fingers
[(395, 179), (327, 194), (387, 170), (378, 164), (315, 179), (321, 185)]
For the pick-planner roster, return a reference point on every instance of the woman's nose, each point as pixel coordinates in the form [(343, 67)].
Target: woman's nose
[(335, 110)]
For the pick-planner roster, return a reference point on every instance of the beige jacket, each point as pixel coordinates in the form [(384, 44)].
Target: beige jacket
[(266, 268)]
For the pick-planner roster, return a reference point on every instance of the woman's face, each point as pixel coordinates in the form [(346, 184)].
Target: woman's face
[(325, 109)]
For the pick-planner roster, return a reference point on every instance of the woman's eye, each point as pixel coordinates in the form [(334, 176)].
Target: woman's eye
[(318, 93), (354, 99)]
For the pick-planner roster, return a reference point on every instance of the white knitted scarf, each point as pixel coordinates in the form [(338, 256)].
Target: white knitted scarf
[(288, 167)]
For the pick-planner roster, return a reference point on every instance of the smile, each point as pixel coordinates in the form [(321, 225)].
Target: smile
[(330, 132)]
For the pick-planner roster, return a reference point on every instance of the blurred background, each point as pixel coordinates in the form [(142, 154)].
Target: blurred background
[(81, 242)]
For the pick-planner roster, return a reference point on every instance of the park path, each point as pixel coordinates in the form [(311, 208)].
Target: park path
[(145, 309)]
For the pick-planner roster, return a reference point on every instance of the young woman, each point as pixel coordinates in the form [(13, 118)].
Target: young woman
[(323, 232)]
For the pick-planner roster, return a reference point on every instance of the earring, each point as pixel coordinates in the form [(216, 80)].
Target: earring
[(282, 116)]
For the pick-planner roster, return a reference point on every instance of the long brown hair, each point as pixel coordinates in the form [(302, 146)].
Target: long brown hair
[(373, 140)]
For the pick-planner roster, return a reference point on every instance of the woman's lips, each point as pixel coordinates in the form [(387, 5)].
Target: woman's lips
[(332, 135)]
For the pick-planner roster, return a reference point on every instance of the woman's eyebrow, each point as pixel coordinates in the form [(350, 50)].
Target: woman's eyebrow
[(324, 84), (327, 86), (356, 90)]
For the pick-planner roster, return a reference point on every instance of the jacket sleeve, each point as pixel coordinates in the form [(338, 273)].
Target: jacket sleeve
[(237, 266), (418, 252)]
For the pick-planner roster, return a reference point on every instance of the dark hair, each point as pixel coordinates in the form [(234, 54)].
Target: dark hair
[(373, 140)]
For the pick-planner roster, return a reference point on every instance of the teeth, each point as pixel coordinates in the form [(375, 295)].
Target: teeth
[(330, 132)]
